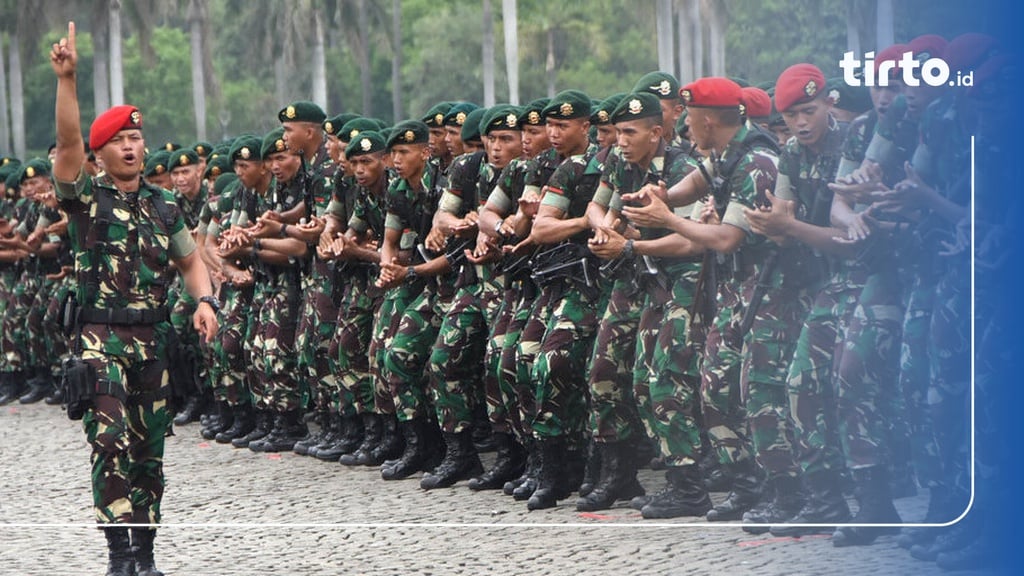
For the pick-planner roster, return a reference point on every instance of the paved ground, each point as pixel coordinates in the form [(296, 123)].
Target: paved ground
[(275, 516)]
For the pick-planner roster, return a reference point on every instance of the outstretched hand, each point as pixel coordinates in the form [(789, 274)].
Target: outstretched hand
[(64, 55)]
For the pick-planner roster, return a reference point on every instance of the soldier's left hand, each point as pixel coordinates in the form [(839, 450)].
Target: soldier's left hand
[(205, 322), (435, 240), (310, 231), (653, 213), (774, 221), (612, 246)]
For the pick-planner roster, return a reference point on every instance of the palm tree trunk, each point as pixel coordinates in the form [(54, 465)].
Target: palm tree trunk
[(663, 27), (5, 124), (510, 24), (396, 59), (697, 41), (116, 63), (488, 55), (364, 57), (319, 61), (549, 64), (17, 98), (716, 40), (198, 80), (101, 56), (884, 26)]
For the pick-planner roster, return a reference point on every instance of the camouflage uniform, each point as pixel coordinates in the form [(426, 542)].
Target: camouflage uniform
[(182, 304), (15, 343), (125, 266)]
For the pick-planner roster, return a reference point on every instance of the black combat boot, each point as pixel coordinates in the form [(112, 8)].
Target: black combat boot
[(351, 435), (288, 429), (372, 431), (39, 386), (264, 423), (10, 386), (745, 492), (937, 513), (716, 476), (308, 445), (219, 423), (616, 479), (874, 494), (242, 423), (824, 505), (684, 495), (56, 397), (391, 442), (142, 547), (120, 561), (191, 412), (415, 454), (592, 473), (460, 462), (552, 484), (509, 463), (483, 437), (781, 499), (522, 488)]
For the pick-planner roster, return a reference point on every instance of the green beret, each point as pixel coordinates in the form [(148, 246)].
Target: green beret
[(220, 150), (602, 113), (273, 143), (182, 158), (34, 167), (380, 124), (302, 111), (409, 132), (501, 117), (8, 169), (533, 112), (741, 81), (246, 148), (434, 118), (635, 106), (203, 149), (856, 99), (471, 127), (568, 104), (385, 133), (333, 125), (457, 115), (5, 160), (12, 180), (217, 165), (661, 84), (156, 163), (353, 127), (367, 142), (223, 181), (767, 85), (170, 146)]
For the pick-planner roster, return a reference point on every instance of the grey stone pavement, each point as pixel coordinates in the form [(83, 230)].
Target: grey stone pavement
[(229, 511)]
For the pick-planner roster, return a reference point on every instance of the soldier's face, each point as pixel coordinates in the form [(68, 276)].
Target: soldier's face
[(335, 148), (883, 96), (671, 110), (186, 179), (638, 139), (298, 135), (535, 140), (284, 165), (437, 146), (122, 156), (453, 140), (700, 128), (919, 97), (567, 135), (368, 169), (505, 146), (249, 172), (808, 122), (161, 180), (606, 135), (409, 159)]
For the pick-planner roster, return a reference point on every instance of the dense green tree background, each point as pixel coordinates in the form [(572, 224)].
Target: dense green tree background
[(599, 46)]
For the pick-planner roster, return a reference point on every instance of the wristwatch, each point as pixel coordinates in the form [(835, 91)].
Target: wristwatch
[(212, 302), (410, 273), (283, 233), (627, 249)]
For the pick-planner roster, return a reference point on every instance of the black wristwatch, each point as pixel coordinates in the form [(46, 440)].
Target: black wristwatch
[(212, 302), (410, 273)]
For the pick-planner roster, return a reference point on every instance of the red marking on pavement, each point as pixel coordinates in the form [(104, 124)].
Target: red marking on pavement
[(204, 444), (592, 516), (751, 543), (273, 456), (12, 410)]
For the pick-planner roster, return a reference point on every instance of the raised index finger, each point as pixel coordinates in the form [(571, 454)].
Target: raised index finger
[(71, 36)]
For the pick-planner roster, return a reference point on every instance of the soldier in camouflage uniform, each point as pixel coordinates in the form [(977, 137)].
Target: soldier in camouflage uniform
[(125, 234)]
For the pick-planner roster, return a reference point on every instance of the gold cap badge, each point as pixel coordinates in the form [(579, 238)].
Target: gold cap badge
[(183, 160), (353, 134), (511, 120), (289, 112), (200, 150), (438, 118), (602, 115), (366, 144), (30, 171), (215, 171), (812, 88), (136, 117), (834, 95), (664, 88), (159, 169), (565, 109), (687, 96), (635, 106), (533, 117), (245, 153), (409, 136), (279, 145), (460, 118), (329, 127)]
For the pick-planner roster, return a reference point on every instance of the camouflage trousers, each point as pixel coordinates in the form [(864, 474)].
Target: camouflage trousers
[(126, 434), (190, 351), (52, 322), (349, 352), (867, 372), (559, 373), (497, 401), (46, 342), (317, 323), (724, 416), (513, 400), (613, 407), (385, 327), (230, 358), (456, 362), (405, 361), (667, 375), (15, 340), (273, 348)]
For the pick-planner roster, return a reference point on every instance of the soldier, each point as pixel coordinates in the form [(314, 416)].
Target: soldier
[(666, 88), (454, 119), (123, 330), (156, 172), (434, 119)]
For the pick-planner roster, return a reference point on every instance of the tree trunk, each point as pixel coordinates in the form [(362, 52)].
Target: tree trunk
[(101, 56), (510, 22), (280, 79), (663, 27), (5, 123), (549, 66), (697, 42), (716, 18), (488, 55), (17, 98), (884, 35), (363, 39), (684, 70), (116, 62), (319, 61), (852, 30), (198, 80), (396, 59)]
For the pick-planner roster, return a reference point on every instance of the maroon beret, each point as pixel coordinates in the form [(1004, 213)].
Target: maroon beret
[(927, 46), (111, 122), (968, 51), (798, 84), (757, 101), (712, 92), (893, 53)]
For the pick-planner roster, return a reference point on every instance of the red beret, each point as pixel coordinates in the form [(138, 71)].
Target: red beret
[(798, 84), (757, 101), (111, 122), (968, 51), (928, 46), (712, 92), (892, 53), (995, 74)]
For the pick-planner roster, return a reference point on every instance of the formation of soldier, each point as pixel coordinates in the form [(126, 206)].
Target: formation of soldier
[(762, 290)]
